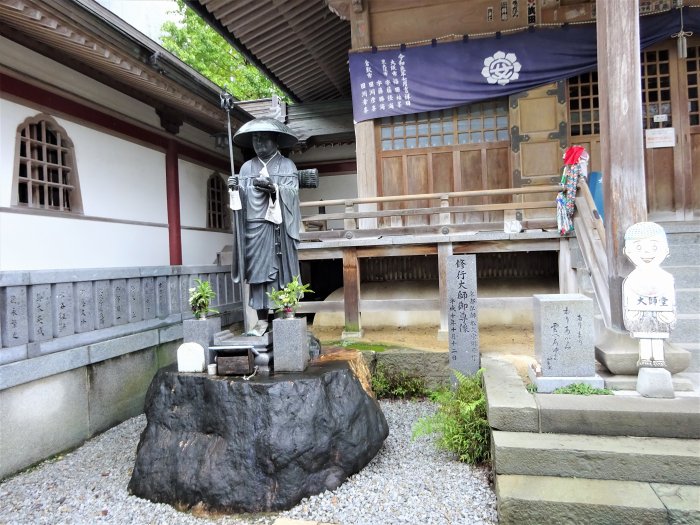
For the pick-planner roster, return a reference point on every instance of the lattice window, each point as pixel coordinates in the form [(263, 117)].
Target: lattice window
[(472, 124), (656, 89), (693, 68), (218, 217), (583, 105), (46, 176)]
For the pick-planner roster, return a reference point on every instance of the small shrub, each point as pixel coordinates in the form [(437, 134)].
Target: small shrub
[(397, 385), (460, 420), (582, 389), (532, 388)]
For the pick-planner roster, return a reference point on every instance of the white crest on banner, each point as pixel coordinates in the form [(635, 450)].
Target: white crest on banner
[(501, 68)]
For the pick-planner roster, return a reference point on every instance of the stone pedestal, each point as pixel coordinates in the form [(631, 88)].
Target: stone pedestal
[(655, 382), (290, 344), (201, 331), (254, 446), (619, 353)]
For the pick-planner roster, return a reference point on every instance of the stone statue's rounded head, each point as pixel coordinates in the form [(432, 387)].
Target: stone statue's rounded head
[(284, 136)]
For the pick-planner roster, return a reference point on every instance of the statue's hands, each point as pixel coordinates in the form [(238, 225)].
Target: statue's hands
[(233, 182), (265, 185)]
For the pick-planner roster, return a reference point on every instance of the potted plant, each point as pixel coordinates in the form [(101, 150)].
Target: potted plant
[(201, 296), (287, 299)]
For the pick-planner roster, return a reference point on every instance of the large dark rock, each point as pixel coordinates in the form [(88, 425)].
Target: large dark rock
[(258, 445)]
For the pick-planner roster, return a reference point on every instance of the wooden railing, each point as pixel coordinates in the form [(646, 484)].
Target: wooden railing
[(361, 216), (590, 233)]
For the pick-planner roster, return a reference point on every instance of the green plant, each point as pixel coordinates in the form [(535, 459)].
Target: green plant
[(532, 388), (397, 385), (201, 296), (287, 299), (582, 389), (460, 420)]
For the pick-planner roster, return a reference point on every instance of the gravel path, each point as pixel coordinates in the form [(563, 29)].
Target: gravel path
[(408, 482)]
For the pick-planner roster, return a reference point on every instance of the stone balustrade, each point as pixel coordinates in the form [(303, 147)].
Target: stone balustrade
[(42, 312)]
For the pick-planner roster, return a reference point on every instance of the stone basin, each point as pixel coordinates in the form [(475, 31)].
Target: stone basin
[(230, 445)]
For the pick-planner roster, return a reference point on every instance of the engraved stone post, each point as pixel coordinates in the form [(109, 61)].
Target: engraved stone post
[(121, 300), (40, 318), (63, 311), (149, 298), (84, 307), (13, 316), (104, 305), (462, 314)]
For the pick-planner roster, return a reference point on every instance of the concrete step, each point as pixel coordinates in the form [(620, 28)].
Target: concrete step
[(622, 458), (686, 238), (629, 382), (684, 276), (682, 255), (537, 500), (688, 301), (687, 329)]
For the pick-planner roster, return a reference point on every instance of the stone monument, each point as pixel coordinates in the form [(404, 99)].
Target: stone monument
[(564, 342), (462, 314), (649, 306)]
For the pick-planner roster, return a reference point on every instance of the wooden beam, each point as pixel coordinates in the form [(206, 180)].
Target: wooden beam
[(622, 146), (365, 142), (351, 293)]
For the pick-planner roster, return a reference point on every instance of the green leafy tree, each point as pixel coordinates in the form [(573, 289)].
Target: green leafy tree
[(198, 45)]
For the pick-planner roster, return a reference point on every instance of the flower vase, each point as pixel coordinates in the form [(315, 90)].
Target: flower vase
[(288, 313)]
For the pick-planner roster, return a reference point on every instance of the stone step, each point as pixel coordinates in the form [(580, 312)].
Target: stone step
[(535, 500), (618, 415), (623, 458), (629, 382), (684, 276), (687, 238), (688, 300), (687, 329), (682, 255)]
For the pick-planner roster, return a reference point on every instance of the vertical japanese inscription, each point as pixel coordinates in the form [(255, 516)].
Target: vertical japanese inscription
[(121, 308), (103, 304), (135, 300), (564, 335), (149, 297), (462, 314), (40, 319), (63, 311), (13, 316)]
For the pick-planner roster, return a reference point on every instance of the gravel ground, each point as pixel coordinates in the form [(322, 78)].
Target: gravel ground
[(408, 482)]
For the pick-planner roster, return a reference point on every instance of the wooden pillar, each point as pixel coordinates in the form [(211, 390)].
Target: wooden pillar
[(351, 293), (622, 145), (365, 142), (172, 190)]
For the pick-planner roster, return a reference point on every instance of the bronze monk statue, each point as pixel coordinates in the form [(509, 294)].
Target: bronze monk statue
[(268, 186)]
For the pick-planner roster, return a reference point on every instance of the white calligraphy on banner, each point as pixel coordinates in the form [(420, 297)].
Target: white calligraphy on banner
[(385, 90)]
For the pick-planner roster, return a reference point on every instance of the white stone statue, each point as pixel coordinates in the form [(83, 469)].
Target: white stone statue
[(648, 293)]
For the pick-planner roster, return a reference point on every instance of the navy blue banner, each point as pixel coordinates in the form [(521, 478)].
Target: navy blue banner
[(441, 76)]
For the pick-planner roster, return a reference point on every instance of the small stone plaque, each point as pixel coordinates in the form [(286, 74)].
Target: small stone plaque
[(135, 300), (462, 314), (564, 341), (174, 294), (40, 318), (84, 307), (13, 316), (162, 303), (121, 301), (104, 305), (63, 311), (148, 287), (186, 282)]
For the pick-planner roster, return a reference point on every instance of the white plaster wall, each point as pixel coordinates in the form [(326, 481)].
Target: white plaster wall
[(201, 247), (193, 194), (330, 187), (198, 247), (35, 242)]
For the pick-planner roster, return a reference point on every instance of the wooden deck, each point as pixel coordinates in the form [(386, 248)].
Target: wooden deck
[(370, 231)]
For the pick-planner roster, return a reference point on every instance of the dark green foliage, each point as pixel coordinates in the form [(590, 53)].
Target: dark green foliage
[(460, 420), (397, 385), (582, 389)]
